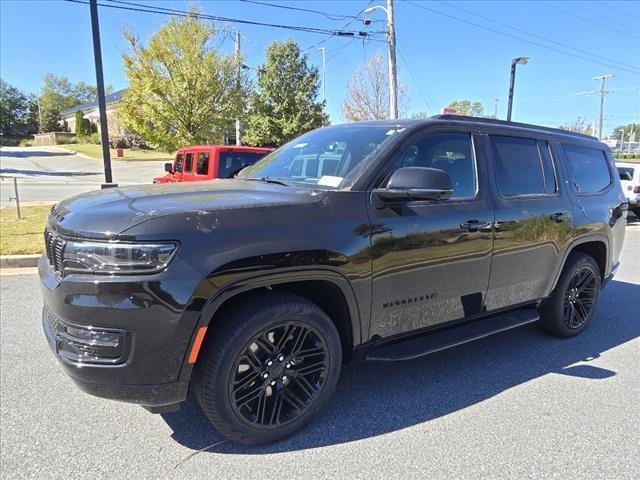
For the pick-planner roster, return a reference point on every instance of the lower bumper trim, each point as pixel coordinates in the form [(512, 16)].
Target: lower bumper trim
[(163, 395)]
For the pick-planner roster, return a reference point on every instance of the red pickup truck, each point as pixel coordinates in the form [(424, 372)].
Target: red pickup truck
[(206, 162)]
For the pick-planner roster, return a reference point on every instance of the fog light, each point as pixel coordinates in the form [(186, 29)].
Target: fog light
[(90, 345)]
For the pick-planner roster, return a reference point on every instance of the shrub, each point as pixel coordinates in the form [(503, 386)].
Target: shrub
[(127, 140), (66, 140), (25, 142), (93, 138)]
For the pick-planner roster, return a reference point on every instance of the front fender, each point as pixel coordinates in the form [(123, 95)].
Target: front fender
[(267, 280)]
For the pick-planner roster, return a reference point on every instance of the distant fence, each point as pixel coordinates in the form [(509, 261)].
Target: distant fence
[(44, 139)]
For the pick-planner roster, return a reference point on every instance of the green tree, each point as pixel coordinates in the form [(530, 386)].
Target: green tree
[(467, 108), (182, 90), (58, 95), (16, 111), (627, 129), (286, 102)]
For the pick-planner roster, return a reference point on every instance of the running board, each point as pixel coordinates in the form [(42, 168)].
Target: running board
[(442, 339)]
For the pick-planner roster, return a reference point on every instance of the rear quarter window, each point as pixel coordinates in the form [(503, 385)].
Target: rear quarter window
[(588, 168)]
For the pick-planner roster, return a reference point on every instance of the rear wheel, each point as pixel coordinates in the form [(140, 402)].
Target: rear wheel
[(573, 302), (269, 368)]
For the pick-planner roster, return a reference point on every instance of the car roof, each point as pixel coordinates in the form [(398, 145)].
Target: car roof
[(476, 122), (226, 147)]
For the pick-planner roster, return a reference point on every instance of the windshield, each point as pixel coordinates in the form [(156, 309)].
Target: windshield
[(330, 157)]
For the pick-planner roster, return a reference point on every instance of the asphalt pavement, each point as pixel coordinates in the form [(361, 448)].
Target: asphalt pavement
[(516, 405), (48, 174)]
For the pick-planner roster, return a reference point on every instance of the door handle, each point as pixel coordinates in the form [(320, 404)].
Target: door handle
[(559, 216), (475, 225)]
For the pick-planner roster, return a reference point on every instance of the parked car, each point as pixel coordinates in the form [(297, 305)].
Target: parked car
[(206, 162), (630, 179), (384, 241)]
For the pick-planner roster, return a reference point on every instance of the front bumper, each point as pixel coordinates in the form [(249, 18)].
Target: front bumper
[(124, 338)]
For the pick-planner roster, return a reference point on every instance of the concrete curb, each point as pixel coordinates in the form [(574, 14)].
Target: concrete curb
[(19, 261)]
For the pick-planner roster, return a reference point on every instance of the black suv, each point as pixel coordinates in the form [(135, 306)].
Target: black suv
[(383, 241)]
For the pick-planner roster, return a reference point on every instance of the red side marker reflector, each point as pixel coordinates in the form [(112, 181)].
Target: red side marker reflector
[(193, 356)]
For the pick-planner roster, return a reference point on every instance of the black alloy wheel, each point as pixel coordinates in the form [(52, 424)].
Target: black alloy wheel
[(580, 297), (278, 375), (572, 303), (270, 363)]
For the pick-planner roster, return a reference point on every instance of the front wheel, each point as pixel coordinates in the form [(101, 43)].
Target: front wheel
[(573, 302), (269, 368)]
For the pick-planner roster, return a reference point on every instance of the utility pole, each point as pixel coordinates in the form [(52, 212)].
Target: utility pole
[(39, 116), (324, 74), (393, 71), (602, 93), (495, 108), (391, 44), (239, 60), (102, 108)]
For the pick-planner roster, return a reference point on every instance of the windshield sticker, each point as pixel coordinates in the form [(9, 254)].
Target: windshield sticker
[(330, 181), (300, 145)]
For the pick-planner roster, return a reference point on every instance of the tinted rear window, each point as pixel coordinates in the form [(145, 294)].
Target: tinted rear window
[(588, 168), (231, 163), (520, 167), (626, 173)]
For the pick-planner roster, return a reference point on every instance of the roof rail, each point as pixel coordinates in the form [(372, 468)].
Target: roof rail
[(494, 121)]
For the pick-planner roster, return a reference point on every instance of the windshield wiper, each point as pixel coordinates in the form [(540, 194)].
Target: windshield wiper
[(267, 180)]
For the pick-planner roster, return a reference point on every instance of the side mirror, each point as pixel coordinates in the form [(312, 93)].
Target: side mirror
[(168, 167), (414, 183)]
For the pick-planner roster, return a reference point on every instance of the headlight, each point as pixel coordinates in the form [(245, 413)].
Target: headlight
[(116, 258)]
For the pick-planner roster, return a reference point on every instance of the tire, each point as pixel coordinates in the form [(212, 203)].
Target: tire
[(235, 368), (573, 302)]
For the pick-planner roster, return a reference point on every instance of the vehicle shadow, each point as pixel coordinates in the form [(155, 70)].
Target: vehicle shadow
[(375, 398), (32, 153), (45, 173)]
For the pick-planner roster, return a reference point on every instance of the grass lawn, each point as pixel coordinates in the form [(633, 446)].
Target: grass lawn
[(19, 237), (93, 150)]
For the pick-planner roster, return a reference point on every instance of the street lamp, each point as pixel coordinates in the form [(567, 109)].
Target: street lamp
[(391, 44), (514, 62)]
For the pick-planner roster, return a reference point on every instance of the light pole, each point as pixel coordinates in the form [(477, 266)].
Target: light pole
[(391, 44), (514, 62), (104, 127)]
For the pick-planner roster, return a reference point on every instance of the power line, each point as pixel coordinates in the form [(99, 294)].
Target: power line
[(182, 13), (330, 16), (586, 19), (409, 67), (484, 27), (537, 36), (600, 16), (624, 12)]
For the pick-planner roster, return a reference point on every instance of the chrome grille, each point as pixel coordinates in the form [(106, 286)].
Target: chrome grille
[(54, 247)]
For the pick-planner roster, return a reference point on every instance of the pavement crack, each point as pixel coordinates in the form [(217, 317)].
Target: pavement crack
[(193, 454)]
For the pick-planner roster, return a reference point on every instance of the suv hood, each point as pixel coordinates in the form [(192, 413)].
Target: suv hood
[(103, 214)]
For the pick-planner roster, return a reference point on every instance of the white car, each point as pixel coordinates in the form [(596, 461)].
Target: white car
[(630, 180)]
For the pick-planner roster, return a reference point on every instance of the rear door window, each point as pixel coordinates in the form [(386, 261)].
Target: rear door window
[(188, 163), (588, 168), (202, 167), (523, 166)]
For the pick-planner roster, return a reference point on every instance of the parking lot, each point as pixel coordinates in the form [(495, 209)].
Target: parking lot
[(516, 405), (48, 174)]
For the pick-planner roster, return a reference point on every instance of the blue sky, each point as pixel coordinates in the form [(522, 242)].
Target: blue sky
[(440, 58)]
